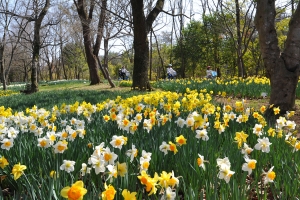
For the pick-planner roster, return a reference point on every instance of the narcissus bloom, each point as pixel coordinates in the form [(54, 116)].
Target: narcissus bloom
[(202, 134), (223, 162), (164, 147), (117, 141), (173, 147), (109, 193), (262, 109), (144, 164), (84, 169), (53, 174), (276, 110), (60, 146), (246, 149), (127, 195), (169, 194), (68, 166), (109, 157), (75, 192), (180, 140), (7, 143), (257, 130), (132, 153), (17, 170), (249, 165), (240, 138), (180, 122), (122, 169), (269, 176), (296, 148), (3, 162), (225, 173), (200, 161), (263, 145), (44, 142)]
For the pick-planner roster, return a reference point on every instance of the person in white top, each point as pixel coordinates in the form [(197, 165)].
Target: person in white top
[(171, 73), (124, 73)]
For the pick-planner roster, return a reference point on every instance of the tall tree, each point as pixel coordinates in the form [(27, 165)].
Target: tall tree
[(86, 19), (141, 27), (282, 68), (36, 44)]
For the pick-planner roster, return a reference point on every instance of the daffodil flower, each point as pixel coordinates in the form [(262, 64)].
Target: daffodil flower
[(75, 192)]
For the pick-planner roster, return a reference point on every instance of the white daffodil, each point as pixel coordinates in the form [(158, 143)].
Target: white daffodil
[(225, 173), (269, 176), (202, 134), (68, 166), (263, 145), (249, 165), (164, 147)]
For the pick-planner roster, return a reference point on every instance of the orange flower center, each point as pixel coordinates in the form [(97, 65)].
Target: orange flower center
[(7, 144), (107, 156), (43, 143), (64, 135), (61, 147), (144, 180), (199, 161), (251, 164), (271, 175), (118, 142), (146, 165), (74, 193)]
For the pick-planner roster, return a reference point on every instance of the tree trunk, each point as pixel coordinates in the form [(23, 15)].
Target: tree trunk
[(239, 40), (142, 26), (2, 71), (36, 47), (86, 30), (281, 68), (141, 47), (91, 59), (105, 59)]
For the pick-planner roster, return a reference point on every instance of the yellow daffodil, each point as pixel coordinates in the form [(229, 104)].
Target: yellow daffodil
[(3, 162), (240, 138), (53, 174), (127, 195), (180, 140), (173, 147), (122, 169), (109, 193), (75, 192), (276, 110), (17, 170)]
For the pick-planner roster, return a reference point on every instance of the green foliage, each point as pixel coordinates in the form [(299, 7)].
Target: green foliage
[(75, 61)]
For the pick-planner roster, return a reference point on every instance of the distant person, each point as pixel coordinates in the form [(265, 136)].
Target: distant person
[(124, 73), (120, 74), (209, 72), (171, 73)]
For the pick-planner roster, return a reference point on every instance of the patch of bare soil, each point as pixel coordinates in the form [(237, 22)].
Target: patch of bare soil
[(257, 103)]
